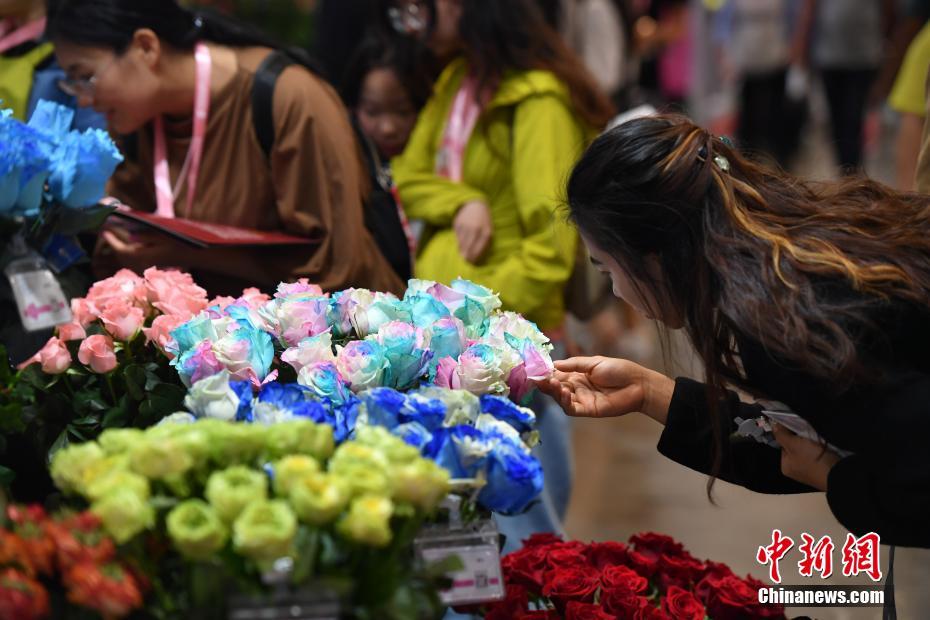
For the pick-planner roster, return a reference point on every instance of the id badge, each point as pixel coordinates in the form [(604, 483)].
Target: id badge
[(39, 299), (477, 546)]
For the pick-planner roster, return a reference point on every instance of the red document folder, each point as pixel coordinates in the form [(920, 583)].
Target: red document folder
[(208, 235)]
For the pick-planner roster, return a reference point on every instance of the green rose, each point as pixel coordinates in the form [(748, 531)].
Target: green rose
[(196, 530), (363, 479), (318, 498), (290, 469), (422, 483), (368, 521), (159, 457), (233, 443), (115, 479), (229, 491), (395, 449), (351, 455), (300, 437), (119, 440), (70, 465), (265, 531), (192, 439), (124, 514)]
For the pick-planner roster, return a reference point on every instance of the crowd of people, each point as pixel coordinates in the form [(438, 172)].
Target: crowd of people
[(443, 139)]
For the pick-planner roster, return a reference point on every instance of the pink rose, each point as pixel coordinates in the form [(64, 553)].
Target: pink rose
[(98, 353), (54, 357), (71, 331), (122, 320), (174, 292), (83, 311), (124, 286), (160, 332)]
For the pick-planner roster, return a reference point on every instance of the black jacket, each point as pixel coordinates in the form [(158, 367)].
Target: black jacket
[(884, 486)]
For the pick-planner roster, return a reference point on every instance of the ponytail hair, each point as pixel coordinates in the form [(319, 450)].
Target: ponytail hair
[(112, 24)]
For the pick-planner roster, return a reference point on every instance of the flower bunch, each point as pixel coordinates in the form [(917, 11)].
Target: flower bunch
[(450, 336), (74, 165), (248, 487), (70, 551), (652, 577)]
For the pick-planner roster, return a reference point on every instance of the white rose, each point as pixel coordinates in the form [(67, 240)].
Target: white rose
[(213, 398)]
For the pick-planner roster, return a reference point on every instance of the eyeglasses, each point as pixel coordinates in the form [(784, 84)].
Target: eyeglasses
[(410, 18), (83, 87)]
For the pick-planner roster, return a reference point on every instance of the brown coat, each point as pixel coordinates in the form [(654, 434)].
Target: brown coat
[(314, 186)]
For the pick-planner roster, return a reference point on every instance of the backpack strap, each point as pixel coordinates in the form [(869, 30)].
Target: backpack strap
[(263, 97)]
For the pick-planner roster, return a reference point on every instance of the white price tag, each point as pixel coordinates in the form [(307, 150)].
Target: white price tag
[(479, 581), (40, 300)]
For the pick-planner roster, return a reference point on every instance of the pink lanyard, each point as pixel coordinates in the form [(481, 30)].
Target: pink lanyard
[(29, 32), (165, 194), (462, 120)]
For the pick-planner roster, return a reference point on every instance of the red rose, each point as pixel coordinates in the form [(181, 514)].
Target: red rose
[(650, 612), (682, 571), (760, 610), (80, 538), (622, 603), (645, 565), (586, 611), (547, 614), (713, 574), (732, 598), (650, 543), (515, 602), (21, 597), (623, 577), (109, 589), (605, 554), (680, 604), (563, 557), (526, 567), (576, 583), (542, 540)]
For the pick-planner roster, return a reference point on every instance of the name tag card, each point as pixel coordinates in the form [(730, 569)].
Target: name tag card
[(477, 547)]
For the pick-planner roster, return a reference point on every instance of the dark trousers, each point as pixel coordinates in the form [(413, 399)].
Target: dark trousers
[(847, 93), (765, 123)]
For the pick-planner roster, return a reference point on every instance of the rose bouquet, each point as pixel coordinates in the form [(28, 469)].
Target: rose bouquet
[(107, 368), (652, 577), (235, 500), (435, 368), (48, 565)]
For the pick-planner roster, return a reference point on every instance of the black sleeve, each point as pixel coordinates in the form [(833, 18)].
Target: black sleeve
[(688, 440), (886, 487)]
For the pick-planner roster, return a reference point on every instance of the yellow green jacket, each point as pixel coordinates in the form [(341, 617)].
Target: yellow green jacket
[(517, 161)]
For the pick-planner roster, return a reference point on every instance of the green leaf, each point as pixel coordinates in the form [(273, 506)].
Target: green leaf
[(118, 416), (7, 476), (89, 420), (163, 400), (6, 369), (60, 443), (75, 221), (135, 381), (89, 401), (11, 418)]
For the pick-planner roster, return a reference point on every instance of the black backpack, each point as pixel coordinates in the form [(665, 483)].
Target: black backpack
[(382, 217)]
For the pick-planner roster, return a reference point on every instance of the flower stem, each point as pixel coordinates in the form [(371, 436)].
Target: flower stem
[(109, 380)]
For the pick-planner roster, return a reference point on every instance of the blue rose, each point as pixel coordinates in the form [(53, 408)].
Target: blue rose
[(514, 479), (344, 418), (277, 402), (505, 410), (428, 412), (462, 450), (414, 434), (384, 406), (81, 166)]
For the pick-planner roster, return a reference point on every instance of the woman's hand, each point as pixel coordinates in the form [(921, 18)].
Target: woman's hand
[(473, 229), (804, 460), (602, 387)]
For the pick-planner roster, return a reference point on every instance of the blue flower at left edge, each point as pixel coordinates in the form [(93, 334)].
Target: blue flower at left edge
[(277, 402), (505, 410), (25, 158), (514, 479)]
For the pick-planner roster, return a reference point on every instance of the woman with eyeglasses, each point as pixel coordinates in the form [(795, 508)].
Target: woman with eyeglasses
[(180, 86), (485, 169)]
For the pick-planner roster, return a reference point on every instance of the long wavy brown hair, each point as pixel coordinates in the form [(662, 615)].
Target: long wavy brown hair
[(746, 250)]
